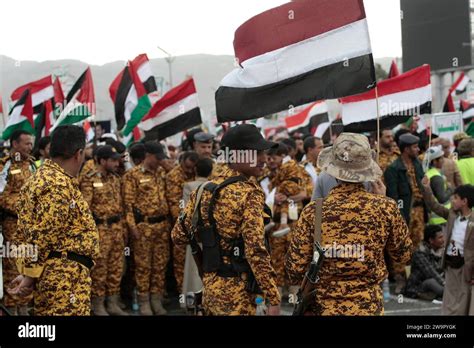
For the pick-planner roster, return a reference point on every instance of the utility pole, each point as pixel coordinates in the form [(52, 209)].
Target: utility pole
[(169, 59)]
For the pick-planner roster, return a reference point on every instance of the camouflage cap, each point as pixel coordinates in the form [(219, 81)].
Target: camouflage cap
[(350, 159), (460, 136)]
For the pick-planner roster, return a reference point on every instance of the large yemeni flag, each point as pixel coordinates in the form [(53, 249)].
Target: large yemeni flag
[(459, 87), (123, 92), (21, 116), (41, 90), (400, 98), (295, 54), (177, 111), (309, 119), (80, 101)]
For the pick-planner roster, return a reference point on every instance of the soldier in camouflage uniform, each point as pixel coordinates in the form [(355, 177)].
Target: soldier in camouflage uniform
[(387, 155), (239, 216), (54, 218), (147, 218), (175, 180), (356, 228), (15, 169), (102, 191)]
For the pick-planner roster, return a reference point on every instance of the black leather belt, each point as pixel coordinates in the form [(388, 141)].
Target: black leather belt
[(155, 219), (83, 260), (108, 221), (454, 261)]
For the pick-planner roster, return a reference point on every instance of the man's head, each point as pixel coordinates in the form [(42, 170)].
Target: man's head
[(446, 146), (246, 138), (204, 167), (466, 148), (435, 156), (408, 144), (312, 147), (458, 137), (386, 138), (463, 198), (98, 131), (108, 158), (188, 162), (276, 155), (44, 144), (291, 145), (202, 144), (434, 236), (154, 155), (67, 147), (21, 142), (137, 153)]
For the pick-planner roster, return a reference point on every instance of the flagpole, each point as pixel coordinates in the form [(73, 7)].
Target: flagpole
[(378, 122)]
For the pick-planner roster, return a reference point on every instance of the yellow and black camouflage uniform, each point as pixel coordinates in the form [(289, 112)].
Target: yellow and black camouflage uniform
[(175, 181), (103, 194), (307, 179), (289, 181), (238, 212), (145, 190), (88, 167), (386, 158), (54, 217), (351, 216), (15, 171)]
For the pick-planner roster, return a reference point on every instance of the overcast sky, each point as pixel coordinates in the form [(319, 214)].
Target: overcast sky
[(101, 31)]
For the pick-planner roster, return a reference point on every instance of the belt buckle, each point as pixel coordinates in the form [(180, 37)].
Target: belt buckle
[(64, 255)]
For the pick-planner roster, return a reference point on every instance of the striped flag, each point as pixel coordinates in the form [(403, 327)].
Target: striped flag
[(88, 130), (467, 109), (21, 116), (58, 93), (44, 120), (295, 54), (130, 89), (41, 90), (309, 119), (459, 87), (393, 70), (400, 98), (80, 101), (177, 111)]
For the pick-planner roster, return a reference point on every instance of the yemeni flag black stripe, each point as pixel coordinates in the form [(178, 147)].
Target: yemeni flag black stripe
[(150, 85), (322, 53), (179, 124), (388, 121), (121, 97)]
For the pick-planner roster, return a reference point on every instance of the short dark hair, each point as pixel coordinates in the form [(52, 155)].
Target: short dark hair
[(204, 167), (381, 131), (66, 141), (280, 150), (16, 135), (430, 232), (289, 143), (117, 145), (466, 192), (310, 143), (43, 142), (190, 155), (137, 151)]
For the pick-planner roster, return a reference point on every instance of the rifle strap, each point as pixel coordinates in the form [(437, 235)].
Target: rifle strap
[(318, 220)]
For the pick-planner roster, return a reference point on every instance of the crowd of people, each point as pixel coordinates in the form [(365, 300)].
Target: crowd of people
[(113, 225)]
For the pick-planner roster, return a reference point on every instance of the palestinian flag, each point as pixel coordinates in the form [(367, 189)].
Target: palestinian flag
[(459, 87), (400, 98), (58, 94), (467, 110), (21, 116), (41, 90), (135, 77), (177, 111), (393, 70), (80, 101), (44, 120), (295, 54), (309, 119), (133, 137)]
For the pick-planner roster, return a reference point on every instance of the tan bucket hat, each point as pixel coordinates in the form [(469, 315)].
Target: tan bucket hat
[(350, 159)]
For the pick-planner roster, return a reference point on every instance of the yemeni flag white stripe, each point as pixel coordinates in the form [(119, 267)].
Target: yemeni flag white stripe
[(400, 98), (323, 52), (321, 129), (461, 83), (303, 118), (177, 111), (21, 116), (41, 90)]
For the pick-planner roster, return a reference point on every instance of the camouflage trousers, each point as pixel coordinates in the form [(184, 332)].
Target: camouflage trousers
[(64, 289), (107, 271), (417, 228), (279, 247), (179, 255), (151, 254), (10, 271), (226, 296)]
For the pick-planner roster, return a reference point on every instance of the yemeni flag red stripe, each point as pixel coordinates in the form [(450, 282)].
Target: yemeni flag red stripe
[(177, 111), (319, 51), (393, 70), (309, 118), (399, 99), (41, 90)]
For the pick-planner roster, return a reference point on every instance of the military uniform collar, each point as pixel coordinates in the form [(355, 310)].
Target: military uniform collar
[(228, 172), (345, 187), (54, 166)]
